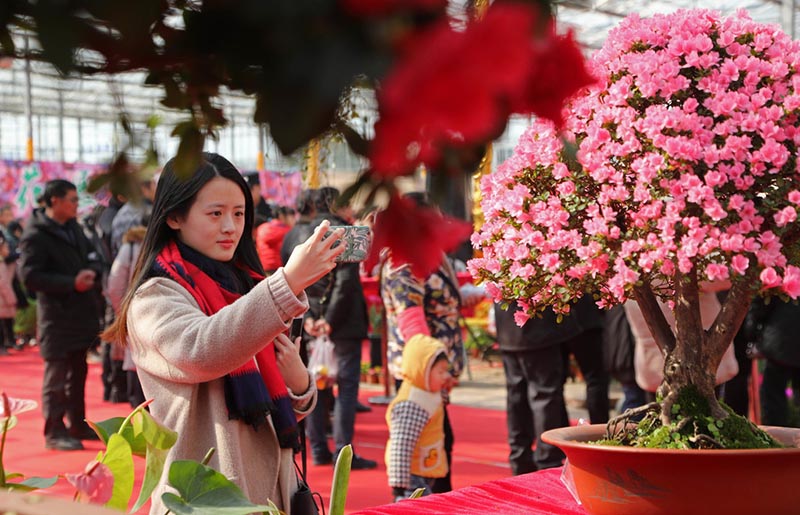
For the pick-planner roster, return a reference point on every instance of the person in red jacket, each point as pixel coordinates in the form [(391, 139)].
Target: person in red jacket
[(269, 238)]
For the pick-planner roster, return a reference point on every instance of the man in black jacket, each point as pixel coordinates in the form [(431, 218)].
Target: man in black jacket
[(535, 368), (58, 262), (338, 300)]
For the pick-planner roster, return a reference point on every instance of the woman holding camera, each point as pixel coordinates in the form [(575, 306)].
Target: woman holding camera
[(215, 377)]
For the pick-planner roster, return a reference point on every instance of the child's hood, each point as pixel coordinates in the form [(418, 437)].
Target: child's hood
[(419, 354)]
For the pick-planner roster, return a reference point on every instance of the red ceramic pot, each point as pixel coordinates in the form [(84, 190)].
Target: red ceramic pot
[(634, 481)]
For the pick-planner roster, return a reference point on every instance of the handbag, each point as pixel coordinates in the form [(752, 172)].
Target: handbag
[(304, 501)]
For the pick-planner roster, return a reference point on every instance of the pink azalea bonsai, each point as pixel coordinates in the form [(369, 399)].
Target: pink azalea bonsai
[(679, 167)]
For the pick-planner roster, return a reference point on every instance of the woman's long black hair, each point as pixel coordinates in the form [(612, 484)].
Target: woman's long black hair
[(174, 197)]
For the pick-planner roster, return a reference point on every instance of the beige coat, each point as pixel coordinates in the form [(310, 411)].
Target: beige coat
[(182, 356)]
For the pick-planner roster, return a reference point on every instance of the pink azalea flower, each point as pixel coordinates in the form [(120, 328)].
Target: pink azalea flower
[(770, 278), (664, 186), (739, 263), (785, 216), (791, 282), (715, 272)]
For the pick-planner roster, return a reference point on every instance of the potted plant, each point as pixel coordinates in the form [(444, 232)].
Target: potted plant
[(679, 167), (364, 371)]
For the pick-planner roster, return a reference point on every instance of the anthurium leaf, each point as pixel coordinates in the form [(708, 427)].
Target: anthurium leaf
[(204, 490), (159, 440), (35, 483), (154, 468), (119, 460), (155, 434), (111, 426), (106, 427), (40, 482), (31, 484)]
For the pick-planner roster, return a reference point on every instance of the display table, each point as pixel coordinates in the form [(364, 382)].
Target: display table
[(529, 494)]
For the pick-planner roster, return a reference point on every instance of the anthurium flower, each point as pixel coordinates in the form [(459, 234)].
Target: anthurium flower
[(11, 406), (415, 235), (95, 483)]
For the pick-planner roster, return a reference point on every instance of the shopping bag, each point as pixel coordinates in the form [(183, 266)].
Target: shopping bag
[(322, 361)]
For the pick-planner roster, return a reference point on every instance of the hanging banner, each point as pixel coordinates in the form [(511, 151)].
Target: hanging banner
[(281, 188), (22, 182)]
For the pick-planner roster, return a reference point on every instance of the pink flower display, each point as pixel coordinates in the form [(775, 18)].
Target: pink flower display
[(681, 163)]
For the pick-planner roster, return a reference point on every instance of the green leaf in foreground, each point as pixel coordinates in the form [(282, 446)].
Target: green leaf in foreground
[(132, 433), (119, 460), (159, 441), (205, 491), (32, 483), (341, 479)]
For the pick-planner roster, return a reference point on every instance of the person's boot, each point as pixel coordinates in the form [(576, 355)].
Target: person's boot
[(63, 443)]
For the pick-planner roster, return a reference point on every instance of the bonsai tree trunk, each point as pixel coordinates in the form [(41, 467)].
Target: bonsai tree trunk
[(692, 354)]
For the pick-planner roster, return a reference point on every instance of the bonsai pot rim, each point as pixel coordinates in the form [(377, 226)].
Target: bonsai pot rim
[(580, 436), (618, 480)]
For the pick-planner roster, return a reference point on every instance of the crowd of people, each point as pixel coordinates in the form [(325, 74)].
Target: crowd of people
[(166, 287)]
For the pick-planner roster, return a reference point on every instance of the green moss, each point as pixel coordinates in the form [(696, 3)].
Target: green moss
[(700, 431)]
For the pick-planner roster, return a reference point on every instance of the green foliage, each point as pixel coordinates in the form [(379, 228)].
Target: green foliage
[(341, 478), (159, 440), (108, 427), (202, 489), (30, 484), (26, 485), (693, 427), (416, 494), (119, 459), (479, 338)]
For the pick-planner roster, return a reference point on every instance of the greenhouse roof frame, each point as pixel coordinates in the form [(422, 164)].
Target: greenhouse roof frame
[(93, 97)]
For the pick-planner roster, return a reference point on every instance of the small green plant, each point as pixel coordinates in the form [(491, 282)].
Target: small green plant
[(109, 479), (479, 341)]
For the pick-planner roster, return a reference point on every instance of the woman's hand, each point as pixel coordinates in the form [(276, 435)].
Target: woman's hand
[(316, 327), (313, 258), (294, 372)]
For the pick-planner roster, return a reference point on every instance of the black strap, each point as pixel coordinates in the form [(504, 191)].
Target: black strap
[(301, 426)]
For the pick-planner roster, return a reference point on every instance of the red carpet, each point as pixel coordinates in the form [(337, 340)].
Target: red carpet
[(480, 450)]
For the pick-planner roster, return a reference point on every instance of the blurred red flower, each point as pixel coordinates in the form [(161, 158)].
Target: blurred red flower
[(415, 235), (457, 88), (559, 71)]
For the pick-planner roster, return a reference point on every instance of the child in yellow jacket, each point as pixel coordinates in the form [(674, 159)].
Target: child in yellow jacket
[(415, 454)]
